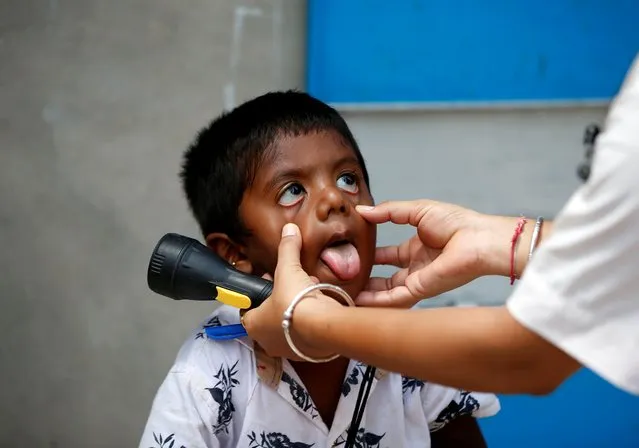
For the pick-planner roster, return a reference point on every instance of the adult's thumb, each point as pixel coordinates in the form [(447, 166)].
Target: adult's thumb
[(288, 254)]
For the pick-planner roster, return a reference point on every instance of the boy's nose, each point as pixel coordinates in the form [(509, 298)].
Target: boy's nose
[(331, 202)]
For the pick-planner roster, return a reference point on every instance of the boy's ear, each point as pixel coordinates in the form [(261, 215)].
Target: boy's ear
[(232, 252)]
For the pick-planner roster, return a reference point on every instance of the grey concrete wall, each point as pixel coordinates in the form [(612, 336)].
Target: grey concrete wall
[(97, 101)]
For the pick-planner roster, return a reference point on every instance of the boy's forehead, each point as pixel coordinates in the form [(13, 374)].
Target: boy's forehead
[(307, 150)]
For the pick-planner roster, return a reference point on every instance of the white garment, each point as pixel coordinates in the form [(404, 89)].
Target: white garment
[(226, 394), (581, 289)]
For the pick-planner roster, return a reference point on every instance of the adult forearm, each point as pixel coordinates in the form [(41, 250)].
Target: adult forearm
[(481, 349)]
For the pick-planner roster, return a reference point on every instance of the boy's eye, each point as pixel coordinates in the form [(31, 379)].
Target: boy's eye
[(348, 182), (291, 194)]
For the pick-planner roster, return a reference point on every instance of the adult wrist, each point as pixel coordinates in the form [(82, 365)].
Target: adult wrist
[(310, 320), (497, 248), (496, 252)]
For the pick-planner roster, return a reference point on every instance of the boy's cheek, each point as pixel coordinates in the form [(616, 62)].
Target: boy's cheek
[(263, 259), (366, 198)]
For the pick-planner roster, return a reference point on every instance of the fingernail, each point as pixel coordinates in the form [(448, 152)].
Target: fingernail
[(364, 208), (289, 230)]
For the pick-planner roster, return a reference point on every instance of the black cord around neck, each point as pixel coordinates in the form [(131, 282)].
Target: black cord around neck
[(360, 405)]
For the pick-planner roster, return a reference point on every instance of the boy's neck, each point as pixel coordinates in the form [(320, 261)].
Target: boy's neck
[(324, 384)]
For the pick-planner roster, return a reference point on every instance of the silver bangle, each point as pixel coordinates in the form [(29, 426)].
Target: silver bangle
[(535, 236), (288, 317)]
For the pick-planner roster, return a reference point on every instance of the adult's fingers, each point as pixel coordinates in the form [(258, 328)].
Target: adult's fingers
[(405, 289), (397, 212), (385, 291), (390, 256), (440, 276), (399, 255), (386, 283), (397, 297)]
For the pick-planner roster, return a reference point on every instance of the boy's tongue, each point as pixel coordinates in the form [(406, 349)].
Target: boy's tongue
[(343, 260)]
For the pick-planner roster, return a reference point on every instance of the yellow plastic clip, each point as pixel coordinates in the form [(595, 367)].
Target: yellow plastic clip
[(232, 298)]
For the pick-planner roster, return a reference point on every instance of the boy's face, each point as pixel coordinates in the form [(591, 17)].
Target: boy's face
[(314, 181)]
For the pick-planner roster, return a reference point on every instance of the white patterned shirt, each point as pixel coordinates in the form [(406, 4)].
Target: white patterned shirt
[(227, 394)]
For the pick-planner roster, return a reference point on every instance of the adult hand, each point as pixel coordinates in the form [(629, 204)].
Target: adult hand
[(264, 323), (452, 247)]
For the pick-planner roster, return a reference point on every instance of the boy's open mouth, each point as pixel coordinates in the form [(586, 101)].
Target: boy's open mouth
[(341, 257)]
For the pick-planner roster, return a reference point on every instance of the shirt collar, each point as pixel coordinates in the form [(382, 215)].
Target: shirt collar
[(268, 369)]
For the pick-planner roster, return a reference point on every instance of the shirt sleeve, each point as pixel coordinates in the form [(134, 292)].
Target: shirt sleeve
[(581, 289), (443, 404), (182, 415)]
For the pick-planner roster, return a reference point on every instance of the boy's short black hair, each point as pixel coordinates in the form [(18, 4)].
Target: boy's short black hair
[(222, 161)]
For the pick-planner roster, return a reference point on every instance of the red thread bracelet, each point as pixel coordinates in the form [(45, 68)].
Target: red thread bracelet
[(518, 231)]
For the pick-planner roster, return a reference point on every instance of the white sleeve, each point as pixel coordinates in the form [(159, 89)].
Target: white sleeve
[(443, 404), (581, 289), (182, 414)]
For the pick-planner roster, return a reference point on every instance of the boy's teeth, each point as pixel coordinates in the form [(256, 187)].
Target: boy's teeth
[(343, 260)]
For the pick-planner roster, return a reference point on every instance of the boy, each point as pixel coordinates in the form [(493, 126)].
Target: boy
[(287, 157)]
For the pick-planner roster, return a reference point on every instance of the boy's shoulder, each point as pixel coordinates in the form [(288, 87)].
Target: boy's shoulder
[(200, 353), (205, 388)]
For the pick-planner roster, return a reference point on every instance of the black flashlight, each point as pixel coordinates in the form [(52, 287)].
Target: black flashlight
[(182, 268)]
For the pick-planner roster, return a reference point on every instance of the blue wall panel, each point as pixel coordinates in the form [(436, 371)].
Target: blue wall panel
[(585, 412), (363, 51)]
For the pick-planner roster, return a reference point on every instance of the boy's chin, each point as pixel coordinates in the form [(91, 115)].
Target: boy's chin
[(352, 287)]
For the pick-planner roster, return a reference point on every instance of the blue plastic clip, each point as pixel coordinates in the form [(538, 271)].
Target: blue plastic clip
[(225, 332)]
